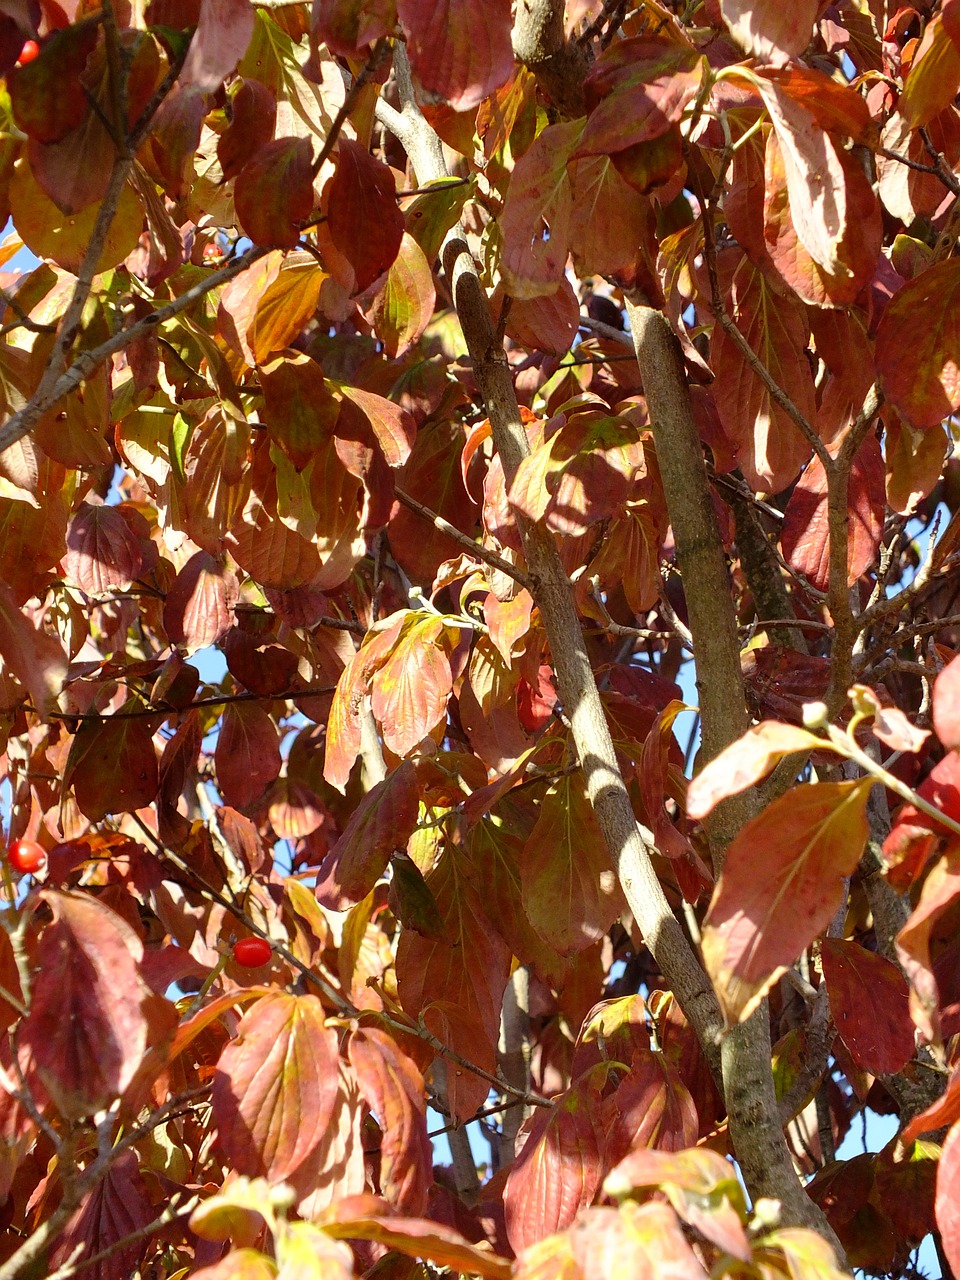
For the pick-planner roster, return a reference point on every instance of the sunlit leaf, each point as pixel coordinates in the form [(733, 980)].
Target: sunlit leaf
[(922, 376), (745, 762), (393, 1088), (460, 52), (780, 886), (275, 1087)]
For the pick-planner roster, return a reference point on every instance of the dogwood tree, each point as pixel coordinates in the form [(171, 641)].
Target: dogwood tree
[(408, 399)]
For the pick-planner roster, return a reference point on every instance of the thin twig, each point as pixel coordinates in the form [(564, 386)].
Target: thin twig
[(475, 549)]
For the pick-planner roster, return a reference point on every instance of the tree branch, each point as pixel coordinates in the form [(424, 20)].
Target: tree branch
[(747, 1076), (629, 850), (474, 548)]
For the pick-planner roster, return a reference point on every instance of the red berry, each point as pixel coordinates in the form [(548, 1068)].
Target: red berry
[(251, 953), (26, 856), (29, 51)]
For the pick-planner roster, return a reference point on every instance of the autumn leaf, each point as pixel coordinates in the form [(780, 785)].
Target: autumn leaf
[(921, 377), (275, 1087), (780, 886), (559, 1167), (92, 1017), (460, 52)]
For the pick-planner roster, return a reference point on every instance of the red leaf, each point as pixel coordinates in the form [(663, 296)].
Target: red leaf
[(948, 1198), (393, 1088), (922, 376), (219, 42), (116, 1209), (771, 448), (273, 192), (780, 886), (869, 1001), (248, 753), (349, 27), (641, 88), (394, 429), (651, 1107), (805, 532), (547, 324), (361, 202), (103, 554), (382, 822), (252, 121), (939, 894), (460, 51), (198, 610), (946, 705), (92, 1017), (275, 1089), (47, 95), (113, 765), (34, 656), (559, 1168), (537, 216)]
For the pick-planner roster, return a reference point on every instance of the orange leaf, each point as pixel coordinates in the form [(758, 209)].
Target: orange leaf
[(744, 763), (393, 1088), (918, 346)]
